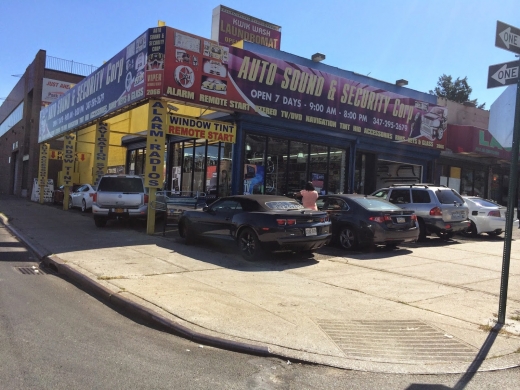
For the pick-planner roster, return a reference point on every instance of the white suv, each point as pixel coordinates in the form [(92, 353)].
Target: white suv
[(439, 209)]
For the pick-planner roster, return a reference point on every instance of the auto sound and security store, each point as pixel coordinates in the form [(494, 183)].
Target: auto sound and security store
[(249, 119)]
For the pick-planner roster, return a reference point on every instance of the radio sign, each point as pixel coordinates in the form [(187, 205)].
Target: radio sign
[(154, 167)]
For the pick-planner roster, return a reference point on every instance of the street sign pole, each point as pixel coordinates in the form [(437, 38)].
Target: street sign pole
[(512, 201)]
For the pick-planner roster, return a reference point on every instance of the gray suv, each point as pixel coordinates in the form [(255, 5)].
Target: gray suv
[(439, 209)]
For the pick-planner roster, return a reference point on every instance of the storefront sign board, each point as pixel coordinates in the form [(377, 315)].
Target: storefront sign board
[(119, 82), (230, 26), (201, 128), (154, 163)]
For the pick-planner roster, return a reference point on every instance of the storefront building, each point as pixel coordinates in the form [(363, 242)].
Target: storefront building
[(250, 119), (474, 162), (44, 80)]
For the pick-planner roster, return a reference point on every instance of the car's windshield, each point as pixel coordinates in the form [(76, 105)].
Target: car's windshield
[(484, 203), (283, 205), (448, 196), (376, 204), (121, 184)]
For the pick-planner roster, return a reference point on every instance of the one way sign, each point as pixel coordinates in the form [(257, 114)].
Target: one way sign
[(503, 74), (507, 37)]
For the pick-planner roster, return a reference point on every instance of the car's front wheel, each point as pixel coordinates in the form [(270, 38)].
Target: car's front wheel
[(348, 238), (422, 231), (249, 245), (186, 233)]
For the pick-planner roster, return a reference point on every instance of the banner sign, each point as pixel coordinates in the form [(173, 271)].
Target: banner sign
[(117, 83), (155, 61), (154, 163), (205, 74), (200, 128), (69, 150), (230, 26), (470, 139), (53, 89), (43, 164), (100, 152)]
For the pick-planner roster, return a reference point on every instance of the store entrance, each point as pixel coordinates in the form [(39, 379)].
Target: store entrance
[(393, 172), (276, 166), (197, 166)]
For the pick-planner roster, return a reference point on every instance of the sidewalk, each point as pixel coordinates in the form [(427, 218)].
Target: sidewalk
[(424, 308)]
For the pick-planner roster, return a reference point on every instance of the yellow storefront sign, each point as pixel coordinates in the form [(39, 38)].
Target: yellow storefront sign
[(154, 162), (201, 128), (58, 155), (69, 150)]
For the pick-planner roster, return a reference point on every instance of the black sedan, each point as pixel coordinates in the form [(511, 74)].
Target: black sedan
[(361, 220), (258, 223)]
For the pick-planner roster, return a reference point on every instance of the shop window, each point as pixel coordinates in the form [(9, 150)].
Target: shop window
[(254, 164), (479, 184), (276, 166), (298, 172), (319, 163), (466, 182), (337, 171), (225, 165)]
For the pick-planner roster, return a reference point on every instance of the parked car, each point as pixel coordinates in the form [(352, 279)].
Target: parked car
[(440, 210), (59, 193), (119, 197), (82, 197), (486, 217), (361, 220), (259, 223)]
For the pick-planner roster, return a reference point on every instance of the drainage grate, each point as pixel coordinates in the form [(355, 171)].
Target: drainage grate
[(31, 270), (396, 341)]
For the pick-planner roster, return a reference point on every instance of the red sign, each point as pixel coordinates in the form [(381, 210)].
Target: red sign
[(470, 139), (230, 26)]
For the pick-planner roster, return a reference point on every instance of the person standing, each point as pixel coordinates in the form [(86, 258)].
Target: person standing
[(309, 196)]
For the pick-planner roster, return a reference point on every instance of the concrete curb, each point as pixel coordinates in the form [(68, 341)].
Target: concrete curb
[(137, 310), (39, 251), (130, 307)]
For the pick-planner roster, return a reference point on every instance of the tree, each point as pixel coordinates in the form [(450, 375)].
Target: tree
[(457, 91)]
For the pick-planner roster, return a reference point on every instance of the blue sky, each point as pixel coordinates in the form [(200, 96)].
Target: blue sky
[(388, 40)]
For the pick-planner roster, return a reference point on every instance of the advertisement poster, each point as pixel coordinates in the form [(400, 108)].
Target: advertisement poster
[(117, 83), (53, 89), (229, 79), (253, 179)]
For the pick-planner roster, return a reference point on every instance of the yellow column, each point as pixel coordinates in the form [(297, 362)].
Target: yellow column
[(43, 169), (69, 156)]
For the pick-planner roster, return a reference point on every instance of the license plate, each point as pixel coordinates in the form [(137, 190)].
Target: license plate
[(119, 210), (456, 215), (401, 220), (310, 232)]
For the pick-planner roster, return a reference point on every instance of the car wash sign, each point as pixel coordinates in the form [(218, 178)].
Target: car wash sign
[(154, 165)]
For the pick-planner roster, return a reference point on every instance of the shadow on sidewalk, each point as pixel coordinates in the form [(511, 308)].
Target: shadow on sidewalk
[(472, 369)]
